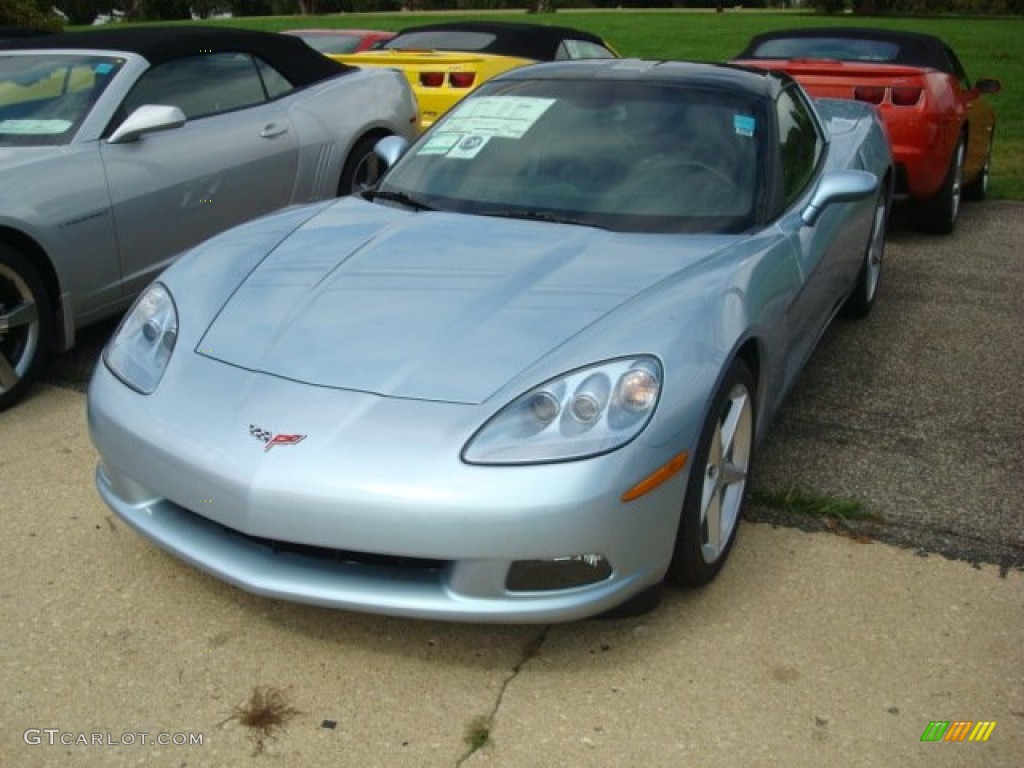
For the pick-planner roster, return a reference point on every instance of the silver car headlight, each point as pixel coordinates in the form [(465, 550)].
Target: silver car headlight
[(142, 346), (583, 413)]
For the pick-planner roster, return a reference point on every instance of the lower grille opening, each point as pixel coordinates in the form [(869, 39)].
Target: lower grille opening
[(347, 557)]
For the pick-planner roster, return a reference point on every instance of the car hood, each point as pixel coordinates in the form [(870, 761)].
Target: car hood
[(430, 306)]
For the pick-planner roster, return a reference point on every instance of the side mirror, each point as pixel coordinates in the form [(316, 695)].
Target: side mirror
[(838, 187), (988, 85), (148, 118), (390, 149)]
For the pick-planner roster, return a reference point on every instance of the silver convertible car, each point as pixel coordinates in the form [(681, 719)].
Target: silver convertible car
[(520, 380), (119, 149)]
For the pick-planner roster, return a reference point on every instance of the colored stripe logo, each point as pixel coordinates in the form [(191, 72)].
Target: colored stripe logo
[(958, 730)]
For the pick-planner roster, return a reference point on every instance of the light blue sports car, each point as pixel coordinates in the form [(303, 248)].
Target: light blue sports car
[(520, 380)]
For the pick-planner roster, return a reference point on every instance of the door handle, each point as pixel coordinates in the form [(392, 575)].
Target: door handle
[(273, 130)]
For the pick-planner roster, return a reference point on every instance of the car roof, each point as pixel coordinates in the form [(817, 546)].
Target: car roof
[(916, 49), (289, 55), (527, 41), (759, 83)]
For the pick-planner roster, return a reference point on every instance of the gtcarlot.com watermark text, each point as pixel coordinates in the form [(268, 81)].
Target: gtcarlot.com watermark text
[(53, 737)]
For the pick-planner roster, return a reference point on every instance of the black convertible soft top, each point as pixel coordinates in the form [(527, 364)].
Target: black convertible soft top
[(289, 55), (526, 41), (914, 49)]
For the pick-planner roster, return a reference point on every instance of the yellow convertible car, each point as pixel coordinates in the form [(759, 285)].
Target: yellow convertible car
[(444, 62)]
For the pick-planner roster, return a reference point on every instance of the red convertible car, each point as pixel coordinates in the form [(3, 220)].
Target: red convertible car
[(940, 127)]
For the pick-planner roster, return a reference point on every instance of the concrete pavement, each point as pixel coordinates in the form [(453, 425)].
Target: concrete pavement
[(809, 650)]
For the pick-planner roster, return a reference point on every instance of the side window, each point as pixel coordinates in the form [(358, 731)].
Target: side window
[(201, 85), (957, 69), (273, 81), (800, 144), (582, 49)]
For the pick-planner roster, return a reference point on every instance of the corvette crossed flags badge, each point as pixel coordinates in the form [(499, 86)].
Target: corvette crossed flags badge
[(270, 439)]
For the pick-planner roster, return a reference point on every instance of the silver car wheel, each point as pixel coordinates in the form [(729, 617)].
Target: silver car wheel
[(939, 213), (19, 328), (977, 190), (26, 325), (362, 168), (876, 250), (958, 181), (726, 472), (717, 484)]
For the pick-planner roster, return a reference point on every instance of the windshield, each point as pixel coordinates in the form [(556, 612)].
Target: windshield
[(441, 40), (332, 43), (624, 156), (837, 48), (45, 97)]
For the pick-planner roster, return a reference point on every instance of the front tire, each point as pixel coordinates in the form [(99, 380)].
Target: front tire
[(26, 326), (862, 299), (362, 167), (718, 482), (977, 190), (939, 214)]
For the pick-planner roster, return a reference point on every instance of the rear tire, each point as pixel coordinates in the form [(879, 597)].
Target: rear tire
[(939, 214), (718, 482), (26, 326), (862, 299), (362, 167)]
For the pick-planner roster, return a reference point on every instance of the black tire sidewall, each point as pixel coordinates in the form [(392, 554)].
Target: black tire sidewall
[(688, 567), (21, 266), (362, 149), (859, 304), (977, 190), (937, 213)]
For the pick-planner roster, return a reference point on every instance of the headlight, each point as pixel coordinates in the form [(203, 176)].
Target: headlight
[(584, 413), (140, 349)]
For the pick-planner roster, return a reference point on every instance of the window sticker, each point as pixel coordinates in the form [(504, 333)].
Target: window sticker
[(104, 69), (439, 144), (507, 117), (469, 146), (34, 127), (744, 125)]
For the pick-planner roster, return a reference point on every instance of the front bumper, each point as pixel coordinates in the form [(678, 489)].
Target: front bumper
[(353, 518)]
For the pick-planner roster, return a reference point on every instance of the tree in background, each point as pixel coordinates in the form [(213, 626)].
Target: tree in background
[(881, 7), (83, 11), (28, 14)]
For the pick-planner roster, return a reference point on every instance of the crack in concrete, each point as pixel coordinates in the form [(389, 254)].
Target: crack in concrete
[(486, 722)]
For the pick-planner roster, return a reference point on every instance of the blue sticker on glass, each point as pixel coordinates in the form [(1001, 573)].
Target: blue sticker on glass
[(103, 69), (744, 125)]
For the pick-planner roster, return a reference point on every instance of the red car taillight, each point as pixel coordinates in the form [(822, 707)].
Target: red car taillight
[(461, 79), (906, 96), (872, 94), (432, 79)]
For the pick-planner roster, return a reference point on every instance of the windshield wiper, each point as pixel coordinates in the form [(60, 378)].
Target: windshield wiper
[(533, 215), (398, 197)]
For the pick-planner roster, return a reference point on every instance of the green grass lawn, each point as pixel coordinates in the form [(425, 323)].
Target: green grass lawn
[(988, 47)]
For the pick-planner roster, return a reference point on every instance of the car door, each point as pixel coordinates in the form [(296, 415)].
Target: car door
[(825, 273), (235, 158)]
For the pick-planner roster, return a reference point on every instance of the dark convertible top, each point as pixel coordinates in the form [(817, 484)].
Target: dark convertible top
[(912, 49), (526, 41), (289, 55)]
